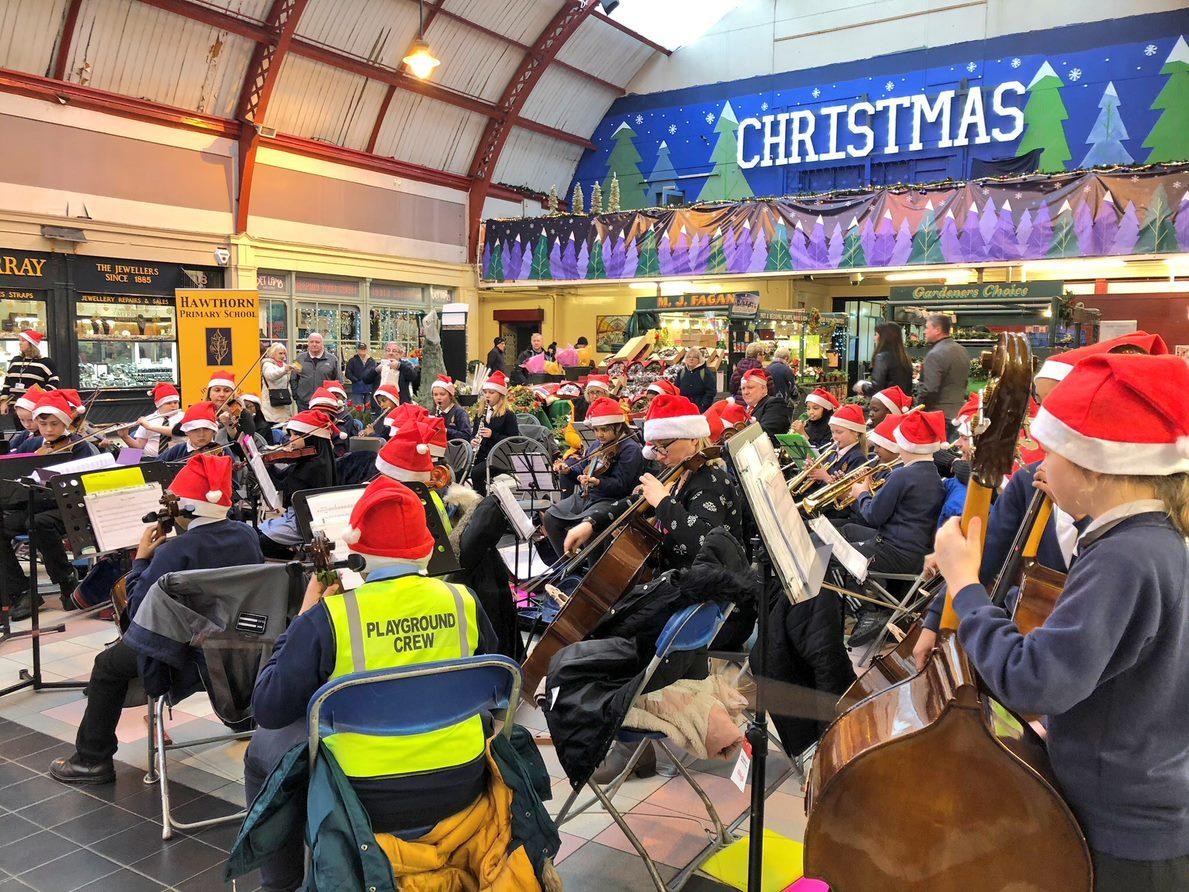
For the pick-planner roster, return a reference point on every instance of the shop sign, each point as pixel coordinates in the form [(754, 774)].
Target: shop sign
[(14, 294), (725, 300), (396, 291), (25, 265), (275, 283), (107, 275), (746, 306), (987, 291), (141, 300), (325, 287), (216, 330)]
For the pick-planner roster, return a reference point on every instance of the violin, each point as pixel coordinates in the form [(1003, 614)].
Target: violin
[(602, 459), (320, 551), (283, 453)]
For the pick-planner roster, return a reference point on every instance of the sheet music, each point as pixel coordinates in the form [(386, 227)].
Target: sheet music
[(532, 471), (522, 562), (115, 514), (846, 554), (330, 513), (77, 466), (268, 491), (521, 524)]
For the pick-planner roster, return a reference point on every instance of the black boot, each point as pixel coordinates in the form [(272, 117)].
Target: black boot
[(22, 608), (66, 587), (871, 622), (75, 771)]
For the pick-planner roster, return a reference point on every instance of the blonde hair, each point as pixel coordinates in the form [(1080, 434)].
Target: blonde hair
[(754, 350), (1173, 490), (499, 408), (271, 352)]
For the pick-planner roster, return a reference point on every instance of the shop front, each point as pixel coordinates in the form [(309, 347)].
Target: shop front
[(27, 282)]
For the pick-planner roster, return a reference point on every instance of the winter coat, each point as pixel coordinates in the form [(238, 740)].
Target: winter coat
[(698, 385), (888, 371), (784, 382), (944, 376), (742, 367), (485, 573), (774, 417)]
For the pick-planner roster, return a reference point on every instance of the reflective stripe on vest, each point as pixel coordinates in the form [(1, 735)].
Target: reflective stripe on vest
[(441, 506), (403, 622)]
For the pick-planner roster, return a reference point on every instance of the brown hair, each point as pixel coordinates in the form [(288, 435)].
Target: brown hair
[(891, 340), (1173, 490)]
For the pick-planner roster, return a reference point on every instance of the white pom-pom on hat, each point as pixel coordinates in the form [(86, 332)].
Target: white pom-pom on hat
[(213, 495), (422, 448), (351, 535)]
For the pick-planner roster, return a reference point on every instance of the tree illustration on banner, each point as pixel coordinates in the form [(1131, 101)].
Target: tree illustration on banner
[(716, 262), (631, 259), (663, 178), (624, 163), (726, 180), (819, 253), (1106, 226), (1128, 232), (583, 261), (759, 252), (1183, 222), (486, 258), (1169, 136), (1044, 121), (1040, 238), (1003, 244), (883, 244), (1064, 239), (798, 243), (649, 263), (612, 256), (974, 247), (902, 249), (540, 265), (515, 255), (926, 247), (555, 270), (950, 242), (853, 254), (836, 246), (569, 260), (778, 251), (1107, 135), (595, 268), (1159, 235), (739, 259)]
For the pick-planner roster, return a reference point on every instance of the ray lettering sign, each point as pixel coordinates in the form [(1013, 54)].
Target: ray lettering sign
[(987, 291)]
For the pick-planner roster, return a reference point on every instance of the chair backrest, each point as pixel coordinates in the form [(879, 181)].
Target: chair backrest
[(543, 436), (499, 461), (692, 627), (414, 699), (460, 456), (527, 419)]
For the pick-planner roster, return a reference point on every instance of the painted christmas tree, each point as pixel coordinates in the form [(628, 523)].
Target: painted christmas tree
[(612, 258), (836, 246), (680, 260), (495, 267), (1040, 238), (902, 249), (1064, 240), (649, 264), (1128, 232), (759, 252), (663, 178), (631, 259), (716, 262), (555, 270), (726, 181), (699, 253), (1044, 120), (884, 242), (664, 253), (540, 263), (515, 255), (583, 261), (1083, 228), (974, 247), (853, 255), (486, 263), (730, 249), (1159, 235), (596, 199), (925, 245), (576, 204), (569, 260), (819, 252), (1106, 226), (1183, 222), (1168, 139), (798, 244), (1023, 233), (624, 164), (988, 221), (778, 252), (1003, 244), (526, 264), (950, 242), (1107, 135), (595, 268)]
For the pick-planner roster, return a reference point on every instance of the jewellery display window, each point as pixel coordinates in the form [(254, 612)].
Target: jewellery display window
[(125, 342)]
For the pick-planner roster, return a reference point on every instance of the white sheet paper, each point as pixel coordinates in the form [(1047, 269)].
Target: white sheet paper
[(76, 466), (522, 525), (523, 562), (330, 513), (845, 553), (268, 492), (115, 514)]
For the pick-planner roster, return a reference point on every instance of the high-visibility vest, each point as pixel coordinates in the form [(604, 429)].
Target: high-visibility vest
[(402, 622)]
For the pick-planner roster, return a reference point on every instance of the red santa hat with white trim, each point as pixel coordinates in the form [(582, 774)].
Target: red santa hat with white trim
[(964, 420), (389, 392), (1056, 368), (33, 336), (662, 385), (53, 403), (757, 375), (164, 393), (604, 411), (921, 433), (314, 423), (324, 398), (569, 390), (443, 382), (204, 484), (674, 418), (1120, 415), (77, 404), (825, 399), (28, 399), (404, 415), (388, 524), (884, 434), (724, 416), (849, 417), (405, 457), (599, 381), (433, 431), (897, 401), (220, 378), (337, 389), (498, 382), (200, 415)]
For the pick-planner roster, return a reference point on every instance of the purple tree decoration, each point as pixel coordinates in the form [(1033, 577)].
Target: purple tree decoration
[(631, 258), (902, 250), (513, 258), (613, 256), (837, 246), (1106, 225), (974, 247), (569, 260), (1023, 233), (884, 243), (951, 245), (681, 253), (1041, 237), (486, 258), (799, 248), (819, 252), (730, 247), (988, 221), (1128, 233), (1003, 244), (555, 266), (526, 264), (699, 253), (759, 252), (583, 263), (867, 238), (1083, 229)]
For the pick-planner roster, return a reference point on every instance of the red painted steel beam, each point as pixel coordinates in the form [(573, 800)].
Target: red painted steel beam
[(62, 56), (635, 35), (259, 82), (545, 49)]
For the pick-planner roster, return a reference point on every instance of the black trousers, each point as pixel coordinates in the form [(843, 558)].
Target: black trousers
[(48, 530), (1113, 874), (114, 670)]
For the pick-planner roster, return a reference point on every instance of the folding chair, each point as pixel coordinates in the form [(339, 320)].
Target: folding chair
[(692, 628), (912, 602), (527, 419), (460, 456)]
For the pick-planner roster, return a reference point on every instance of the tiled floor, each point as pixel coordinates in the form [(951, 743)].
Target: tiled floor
[(59, 838)]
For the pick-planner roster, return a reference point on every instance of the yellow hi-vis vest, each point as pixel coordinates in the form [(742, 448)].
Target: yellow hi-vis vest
[(403, 622)]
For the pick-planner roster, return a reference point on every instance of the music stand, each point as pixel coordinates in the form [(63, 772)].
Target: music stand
[(71, 493), (534, 476)]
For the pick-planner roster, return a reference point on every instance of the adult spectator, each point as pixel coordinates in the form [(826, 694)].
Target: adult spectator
[(277, 373), (772, 413), (398, 372), (783, 382), (535, 348), (890, 366), (946, 370), (363, 373), (586, 354), (753, 358), (29, 368), (496, 361), (315, 366), (696, 381)]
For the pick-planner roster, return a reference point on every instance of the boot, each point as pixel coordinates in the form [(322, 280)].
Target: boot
[(74, 770), (617, 760), (870, 624), (22, 608), (66, 589)]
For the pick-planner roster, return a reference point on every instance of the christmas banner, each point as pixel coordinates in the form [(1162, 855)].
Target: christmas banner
[(1092, 214), (1099, 94)]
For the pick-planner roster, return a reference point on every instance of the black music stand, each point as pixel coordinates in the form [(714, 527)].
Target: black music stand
[(69, 491)]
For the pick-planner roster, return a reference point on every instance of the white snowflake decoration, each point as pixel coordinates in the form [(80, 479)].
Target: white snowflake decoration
[(763, 106), (1075, 74), (1135, 179), (1177, 184), (672, 129), (889, 86), (1150, 49), (709, 117), (1019, 195), (1015, 63), (972, 67), (639, 119), (816, 92)]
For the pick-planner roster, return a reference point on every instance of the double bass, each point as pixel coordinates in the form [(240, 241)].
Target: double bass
[(930, 783)]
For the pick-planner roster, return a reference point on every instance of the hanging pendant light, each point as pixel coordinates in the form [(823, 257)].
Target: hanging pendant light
[(421, 61)]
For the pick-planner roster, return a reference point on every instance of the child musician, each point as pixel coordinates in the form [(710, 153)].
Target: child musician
[(889, 401), (596, 387), (1108, 667), (29, 437), (458, 424), (220, 391), (155, 432), (313, 427), (58, 413), (497, 423), (199, 425), (848, 430), (815, 427), (387, 398)]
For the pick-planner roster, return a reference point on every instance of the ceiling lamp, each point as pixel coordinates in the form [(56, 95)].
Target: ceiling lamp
[(421, 60)]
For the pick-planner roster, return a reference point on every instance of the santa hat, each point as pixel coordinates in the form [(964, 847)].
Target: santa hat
[(443, 382), (757, 375), (602, 381), (313, 423), (54, 403), (337, 389), (850, 417), (221, 379), (323, 397), (404, 415), (1120, 415), (884, 434), (825, 399), (964, 420), (200, 415), (1057, 367), (604, 411), (921, 433), (28, 399), (568, 390), (388, 522), (389, 392), (405, 456), (251, 398), (76, 401), (164, 393), (497, 382), (432, 430), (674, 418), (732, 414), (544, 391), (204, 484), (662, 385), (897, 401), (33, 337)]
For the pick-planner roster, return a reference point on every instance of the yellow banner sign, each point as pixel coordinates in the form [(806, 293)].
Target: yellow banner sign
[(217, 330)]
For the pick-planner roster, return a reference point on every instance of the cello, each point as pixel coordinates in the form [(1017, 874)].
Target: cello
[(931, 784)]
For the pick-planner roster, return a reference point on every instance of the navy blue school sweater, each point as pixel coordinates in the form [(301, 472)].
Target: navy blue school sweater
[(1110, 669), (617, 481), (844, 464), (458, 423), (905, 509), (24, 441)]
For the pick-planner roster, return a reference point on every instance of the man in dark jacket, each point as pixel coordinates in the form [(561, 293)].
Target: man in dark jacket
[(771, 412), (784, 382), (496, 361), (696, 381), (363, 374), (535, 348), (945, 372), (317, 365)]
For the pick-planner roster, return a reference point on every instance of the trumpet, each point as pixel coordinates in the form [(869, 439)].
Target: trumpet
[(832, 492), (847, 500), (800, 481)]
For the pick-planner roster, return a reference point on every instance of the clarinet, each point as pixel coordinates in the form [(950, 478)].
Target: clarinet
[(478, 438)]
